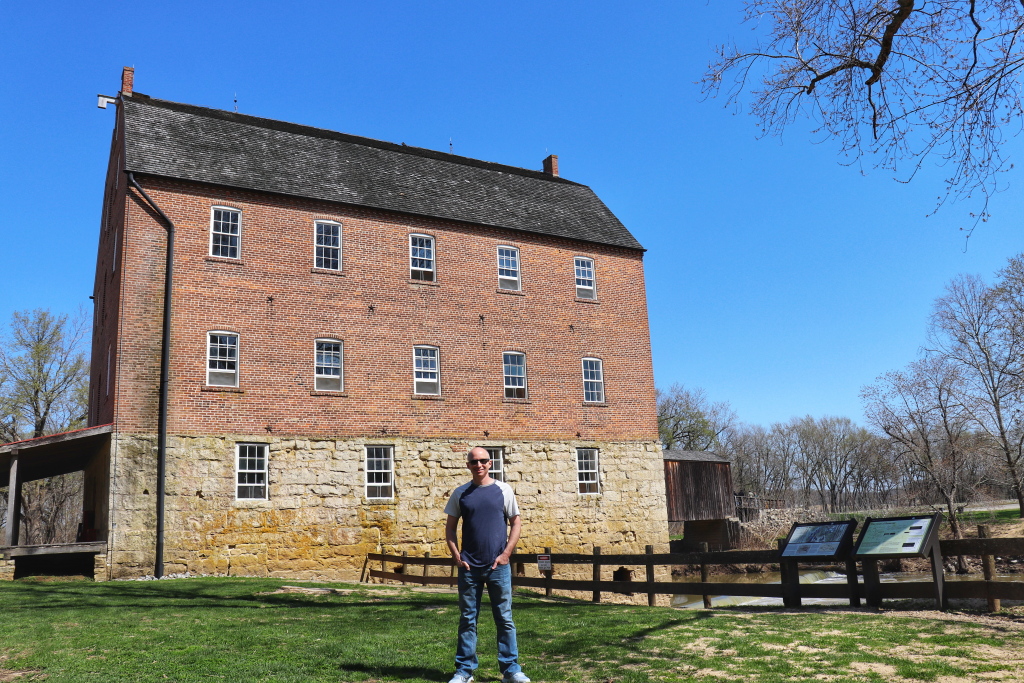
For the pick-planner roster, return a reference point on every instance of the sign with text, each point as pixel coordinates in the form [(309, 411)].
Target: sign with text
[(544, 563), (896, 536), (819, 539)]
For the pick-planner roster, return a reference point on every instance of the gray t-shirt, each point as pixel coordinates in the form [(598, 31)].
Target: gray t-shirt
[(485, 511)]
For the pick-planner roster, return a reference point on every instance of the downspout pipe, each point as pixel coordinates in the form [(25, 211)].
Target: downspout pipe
[(165, 348)]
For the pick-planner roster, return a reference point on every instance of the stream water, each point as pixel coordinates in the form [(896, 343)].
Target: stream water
[(806, 576)]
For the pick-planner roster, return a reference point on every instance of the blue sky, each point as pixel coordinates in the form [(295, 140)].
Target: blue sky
[(777, 279)]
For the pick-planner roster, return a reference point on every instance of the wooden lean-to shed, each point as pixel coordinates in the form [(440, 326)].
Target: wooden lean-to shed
[(698, 488)]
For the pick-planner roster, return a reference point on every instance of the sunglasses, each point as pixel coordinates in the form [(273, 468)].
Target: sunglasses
[(478, 462)]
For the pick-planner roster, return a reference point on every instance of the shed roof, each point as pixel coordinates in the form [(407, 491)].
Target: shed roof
[(225, 148), (693, 456)]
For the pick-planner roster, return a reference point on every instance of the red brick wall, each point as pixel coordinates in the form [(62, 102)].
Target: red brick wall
[(276, 339)]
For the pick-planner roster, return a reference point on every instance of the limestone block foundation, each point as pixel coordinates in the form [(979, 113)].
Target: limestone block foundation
[(7, 570), (316, 523)]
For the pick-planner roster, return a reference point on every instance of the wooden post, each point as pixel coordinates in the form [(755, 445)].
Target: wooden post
[(426, 566), (362, 574), (650, 576), (597, 573), (872, 594), (988, 568), (851, 581), (548, 574), (790, 578), (13, 502), (704, 575), (405, 565), (938, 575)]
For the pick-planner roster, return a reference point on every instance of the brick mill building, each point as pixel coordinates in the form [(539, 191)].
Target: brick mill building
[(347, 318)]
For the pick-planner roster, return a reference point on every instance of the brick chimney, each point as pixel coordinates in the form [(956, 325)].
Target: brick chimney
[(551, 165), (128, 80)]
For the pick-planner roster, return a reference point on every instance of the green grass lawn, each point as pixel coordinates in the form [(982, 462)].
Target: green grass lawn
[(235, 630)]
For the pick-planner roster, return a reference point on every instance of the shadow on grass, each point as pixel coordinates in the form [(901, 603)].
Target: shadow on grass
[(402, 673)]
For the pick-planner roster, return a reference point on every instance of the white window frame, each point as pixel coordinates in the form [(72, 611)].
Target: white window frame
[(415, 369), (254, 473), (213, 212), (389, 473), (599, 381), (505, 279), (585, 291), (108, 368), (588, 477), (316, 227), (497, 454), (341, 364), (505, 376), (238, 344), (433, 259)]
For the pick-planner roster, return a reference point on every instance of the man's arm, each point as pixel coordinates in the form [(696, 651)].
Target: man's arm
[(513, 538), (450, 527)]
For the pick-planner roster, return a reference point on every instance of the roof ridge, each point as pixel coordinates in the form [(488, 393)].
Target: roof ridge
[(313, 131)]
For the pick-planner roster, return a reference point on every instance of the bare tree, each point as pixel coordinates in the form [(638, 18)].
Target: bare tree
[(903, 80), (688, 420), (920, 410), (44, 379), (969, 329), (832, 450)]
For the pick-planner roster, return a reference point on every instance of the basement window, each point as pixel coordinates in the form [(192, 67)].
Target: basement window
[(328, 245), (421, 258), (251, 471), (508, 268), (514, 372), (225, 232), (379, 473), (329, 375), (497, 454), (585, 278), (222, 360), (426, 377), (587, 480)]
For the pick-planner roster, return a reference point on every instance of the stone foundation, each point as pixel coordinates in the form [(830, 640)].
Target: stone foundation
[(100, 570), (317, 524), (7, 570)]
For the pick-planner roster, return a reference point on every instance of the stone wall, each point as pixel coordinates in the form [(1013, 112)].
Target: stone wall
[(316, 523), (7, 569)]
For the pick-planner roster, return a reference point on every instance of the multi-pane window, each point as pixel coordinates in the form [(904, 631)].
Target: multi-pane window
[(514, 371), (593, 380), (224, 233), (222, 360), (421, 257), (585, 278), (251, 469), (426, 379), (379, 472), (508, 268), (328, 245), (587, 480), (497, 454), (329, 372)]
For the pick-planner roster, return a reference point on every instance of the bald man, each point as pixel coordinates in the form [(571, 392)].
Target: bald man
[(490, 531)]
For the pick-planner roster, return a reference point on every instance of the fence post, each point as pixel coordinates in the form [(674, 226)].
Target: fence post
[(548, 574), (988, 568), (597, 573), (426, 566), (704, 575), (405, 565), (650, 576)]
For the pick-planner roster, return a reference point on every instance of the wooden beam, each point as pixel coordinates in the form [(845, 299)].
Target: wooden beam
[(983, 546), (13, 502), (54, 549)]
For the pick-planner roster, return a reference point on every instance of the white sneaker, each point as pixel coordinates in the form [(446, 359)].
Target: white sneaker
[(462, 678), (517, 677)]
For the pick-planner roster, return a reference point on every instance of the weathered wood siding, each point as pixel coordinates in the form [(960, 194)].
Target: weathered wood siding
[(698, 490)]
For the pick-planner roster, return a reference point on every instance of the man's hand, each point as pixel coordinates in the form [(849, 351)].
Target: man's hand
[(462, 563), (502, 559)]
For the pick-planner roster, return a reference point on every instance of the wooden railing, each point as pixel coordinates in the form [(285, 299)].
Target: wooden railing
[(987, 548)]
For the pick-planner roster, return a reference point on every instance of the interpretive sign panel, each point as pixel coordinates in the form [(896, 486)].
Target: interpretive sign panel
[(819, 540), (896, 536)]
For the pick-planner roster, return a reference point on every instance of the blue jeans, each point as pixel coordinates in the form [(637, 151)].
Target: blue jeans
[(499, 590)]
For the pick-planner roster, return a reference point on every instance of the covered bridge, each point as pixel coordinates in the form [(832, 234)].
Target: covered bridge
[(698, 490)]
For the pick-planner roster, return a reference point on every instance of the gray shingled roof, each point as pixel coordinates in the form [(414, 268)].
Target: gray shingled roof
[(692, 456), (225, 148)]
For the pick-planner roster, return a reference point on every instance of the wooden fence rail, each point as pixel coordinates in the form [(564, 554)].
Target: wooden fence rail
[(993, 590)]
